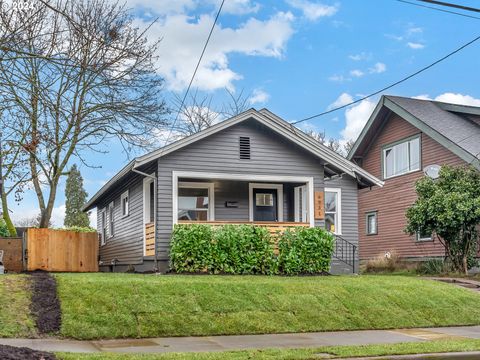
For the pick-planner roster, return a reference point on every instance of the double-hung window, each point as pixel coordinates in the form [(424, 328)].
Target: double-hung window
[(195, 201), (103, 223), (333, 219), (401, 158), (372, 223), (124, 203), (111, 219)]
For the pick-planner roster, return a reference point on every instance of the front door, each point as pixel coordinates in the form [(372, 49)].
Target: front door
[(265, 205)]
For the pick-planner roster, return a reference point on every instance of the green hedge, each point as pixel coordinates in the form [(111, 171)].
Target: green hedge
[(249, 249), (305, 251)]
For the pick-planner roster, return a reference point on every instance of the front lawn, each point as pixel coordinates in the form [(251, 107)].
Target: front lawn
[(297, 354), (15, 318), (126, 305)]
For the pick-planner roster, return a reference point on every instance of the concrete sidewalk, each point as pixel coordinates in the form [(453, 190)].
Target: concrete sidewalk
[(243, 342)]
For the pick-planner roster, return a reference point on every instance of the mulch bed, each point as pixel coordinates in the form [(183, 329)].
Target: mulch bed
[(21, 353), (45, 303)]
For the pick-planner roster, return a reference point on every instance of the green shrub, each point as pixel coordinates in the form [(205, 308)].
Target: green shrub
[(3, 229), (249, 249), (432, 267), (305, 251), (191, 248), (243, 249), (85, 229)]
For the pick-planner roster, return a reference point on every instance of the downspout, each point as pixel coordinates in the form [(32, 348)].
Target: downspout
[(154, 212)]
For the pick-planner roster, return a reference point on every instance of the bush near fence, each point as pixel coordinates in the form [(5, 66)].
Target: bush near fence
[(249, 249)]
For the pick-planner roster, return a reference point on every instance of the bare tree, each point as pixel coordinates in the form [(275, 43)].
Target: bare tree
[(199, 111), (349, 146), (332, 143), (93, 79), (195, 115)]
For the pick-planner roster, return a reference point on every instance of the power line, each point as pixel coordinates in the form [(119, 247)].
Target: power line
[(456, 6), (391, 85), (438, 9), (195, 71)]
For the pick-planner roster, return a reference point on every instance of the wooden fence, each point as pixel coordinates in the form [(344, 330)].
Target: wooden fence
[(12, 254), (62, 250)]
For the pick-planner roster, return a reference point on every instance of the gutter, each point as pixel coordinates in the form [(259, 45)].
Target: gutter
[(155, 255)]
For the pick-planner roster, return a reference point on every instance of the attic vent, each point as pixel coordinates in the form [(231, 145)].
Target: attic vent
[(244, 148)]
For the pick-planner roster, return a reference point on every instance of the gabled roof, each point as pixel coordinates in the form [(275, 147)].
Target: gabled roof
[(271, 121), (456, 127)]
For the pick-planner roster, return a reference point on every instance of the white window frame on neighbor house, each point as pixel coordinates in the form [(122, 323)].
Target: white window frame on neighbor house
[(103, 229), (111, 219), (124, 206), (251, 200), (338, 213), (367, 222), (146, 207), (392, 147), (210, 186), (241, 177)]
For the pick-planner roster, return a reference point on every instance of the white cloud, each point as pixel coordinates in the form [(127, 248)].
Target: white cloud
[(356, 117), (357, 73), (378, 68), (361, 56), (338, 78), (415, 45), (342, 100), (183, 39), (239, 7), (259, 96), (313, 10), (454, 98)]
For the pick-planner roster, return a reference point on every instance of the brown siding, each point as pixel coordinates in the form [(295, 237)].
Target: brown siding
[(397, 195)]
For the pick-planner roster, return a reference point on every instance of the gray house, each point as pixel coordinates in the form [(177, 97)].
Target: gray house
[(252, 168)]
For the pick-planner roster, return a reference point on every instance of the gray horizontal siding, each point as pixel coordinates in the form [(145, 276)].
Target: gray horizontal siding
[(126, 245), (271, 154)]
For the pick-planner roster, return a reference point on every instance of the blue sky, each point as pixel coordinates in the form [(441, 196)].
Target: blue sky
[(298, 58)]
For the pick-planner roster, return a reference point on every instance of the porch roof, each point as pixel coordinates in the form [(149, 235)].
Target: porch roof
[(332, 159)]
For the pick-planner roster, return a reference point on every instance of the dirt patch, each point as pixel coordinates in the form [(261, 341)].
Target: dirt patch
[(45, 303), (22, 353)]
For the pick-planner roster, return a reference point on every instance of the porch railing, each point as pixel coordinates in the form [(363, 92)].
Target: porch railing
[(273, 227), (150, 239), (345, 251)]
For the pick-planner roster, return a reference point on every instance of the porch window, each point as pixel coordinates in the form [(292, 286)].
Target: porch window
[(194, 201), (333, 221), (401, 158)]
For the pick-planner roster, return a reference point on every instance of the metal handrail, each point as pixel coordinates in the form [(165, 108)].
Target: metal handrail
[(345, 251)]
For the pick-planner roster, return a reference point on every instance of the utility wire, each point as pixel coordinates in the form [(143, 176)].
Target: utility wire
[(456, 6), (195, 72), (438, 9), (391, 85)]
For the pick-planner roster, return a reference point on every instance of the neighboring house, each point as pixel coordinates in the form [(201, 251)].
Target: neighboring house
[(252, 168), (403, 138)]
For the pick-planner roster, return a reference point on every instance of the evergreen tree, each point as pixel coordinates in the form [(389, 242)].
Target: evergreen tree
[(75, 199)]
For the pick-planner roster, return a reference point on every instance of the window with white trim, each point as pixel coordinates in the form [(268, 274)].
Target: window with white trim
[(103, 227), (195, 201), (124, 203), (423, 236), (401, 158), (372, 226), (333, 219), (111, 219)]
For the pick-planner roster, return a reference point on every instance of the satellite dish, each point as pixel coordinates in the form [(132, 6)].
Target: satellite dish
[(432, 171)]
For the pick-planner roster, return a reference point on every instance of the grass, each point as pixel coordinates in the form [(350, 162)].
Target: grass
[(127, 305), (297, 354), (15, 319)]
